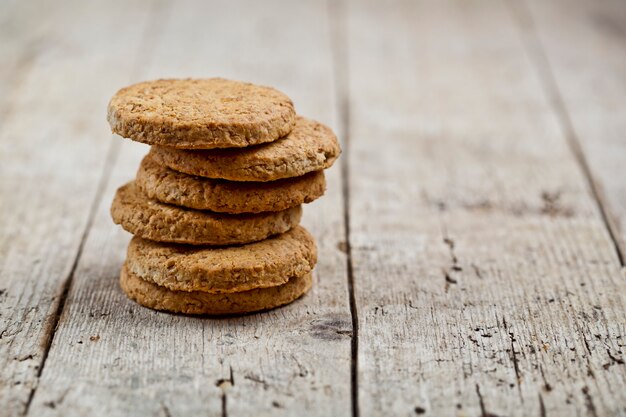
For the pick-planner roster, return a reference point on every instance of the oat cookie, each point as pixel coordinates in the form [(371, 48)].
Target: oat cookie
[(169, 186), (309, 147), (154, 220), (263, 264), (200, 113), (159, 298)]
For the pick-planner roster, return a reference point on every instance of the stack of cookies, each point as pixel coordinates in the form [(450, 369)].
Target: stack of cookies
[(216, 204)]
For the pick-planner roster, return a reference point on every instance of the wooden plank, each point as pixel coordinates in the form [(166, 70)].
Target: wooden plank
[(581, 51), (19, 47), (52, 162), (485, 280), (112, 357)]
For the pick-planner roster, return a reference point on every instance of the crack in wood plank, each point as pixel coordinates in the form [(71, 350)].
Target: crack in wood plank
[(224, 385), (481, 402), (513, 357), (542, 406), (454, 266)]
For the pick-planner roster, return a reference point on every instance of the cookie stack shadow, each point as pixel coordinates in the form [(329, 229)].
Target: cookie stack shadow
[(216, 204)]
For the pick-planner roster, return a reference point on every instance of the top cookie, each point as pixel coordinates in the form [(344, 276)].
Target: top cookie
[(311, 146), (200, 114)]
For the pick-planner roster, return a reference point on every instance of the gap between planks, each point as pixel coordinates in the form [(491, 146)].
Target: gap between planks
[(338, 18), (531, 42)]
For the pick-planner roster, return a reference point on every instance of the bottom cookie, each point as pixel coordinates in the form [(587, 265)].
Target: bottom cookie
[(197, 302)]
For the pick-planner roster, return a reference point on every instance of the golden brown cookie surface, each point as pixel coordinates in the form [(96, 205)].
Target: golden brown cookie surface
[(195, 302), (200, 113), (151, 219), (173, 187), (263, 264), (311, 146)]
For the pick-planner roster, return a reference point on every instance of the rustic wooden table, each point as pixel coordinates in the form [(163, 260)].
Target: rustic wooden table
[(471, 255)]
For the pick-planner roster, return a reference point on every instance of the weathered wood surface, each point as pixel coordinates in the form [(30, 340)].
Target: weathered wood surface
[(483, 145), (111, 357), (584, 44), (485, 280), (17, 46)]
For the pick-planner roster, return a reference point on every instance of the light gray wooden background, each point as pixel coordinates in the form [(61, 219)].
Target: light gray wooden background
[(471, 240)]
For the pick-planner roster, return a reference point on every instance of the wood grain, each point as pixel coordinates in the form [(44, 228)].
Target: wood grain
[(112, 357), (580, 48), (486, 282), (52, 162)]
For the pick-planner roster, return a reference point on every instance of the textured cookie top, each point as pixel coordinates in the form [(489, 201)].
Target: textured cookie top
[(311, 146), (200, 114), (170, 186), (154, 220), (262, 264)]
